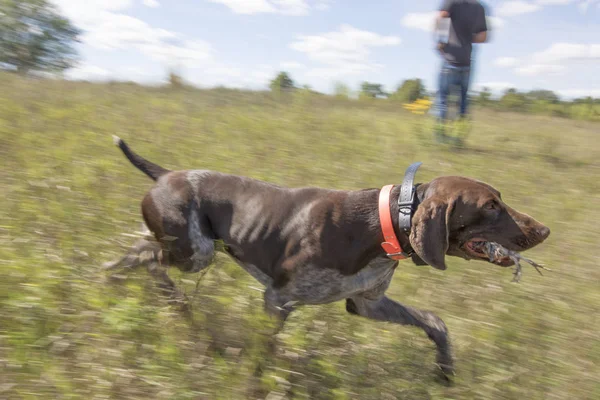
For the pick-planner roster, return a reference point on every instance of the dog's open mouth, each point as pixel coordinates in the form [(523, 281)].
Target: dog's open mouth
[(477, 248)]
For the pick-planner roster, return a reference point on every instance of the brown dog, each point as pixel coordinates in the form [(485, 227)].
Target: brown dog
[(316, 246)]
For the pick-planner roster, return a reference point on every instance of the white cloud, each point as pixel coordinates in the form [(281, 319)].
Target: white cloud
[(573, 93), (506, 62), (291, 7), (247, 6), (86, 12), (563, 52), (343, 52), (323, 5), (95, 73), (291, 65), (554, 2), (88, 72), (512, 8), (585, 4), (107, 27), (424, 21), (539, 69), (151, 3), (495, 23), (552, 61), (285, 7), (119, 31), (188, 53)]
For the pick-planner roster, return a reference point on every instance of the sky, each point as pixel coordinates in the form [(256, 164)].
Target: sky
[(549, 44)]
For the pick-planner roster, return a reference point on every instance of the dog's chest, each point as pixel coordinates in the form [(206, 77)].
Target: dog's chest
[(376, 274), (315, 285)]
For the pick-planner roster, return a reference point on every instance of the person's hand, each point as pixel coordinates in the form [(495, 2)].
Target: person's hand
[(440, 47)]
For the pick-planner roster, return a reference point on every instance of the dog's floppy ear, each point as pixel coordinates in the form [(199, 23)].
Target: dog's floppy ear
[(429, 234)]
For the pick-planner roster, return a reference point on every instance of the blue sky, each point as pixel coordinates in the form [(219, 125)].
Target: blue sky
[(551, 44)]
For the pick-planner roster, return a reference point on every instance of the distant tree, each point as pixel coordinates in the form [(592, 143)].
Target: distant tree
[(373, 90), (282, 82), (175, 80), (409, 91), (513, 100), (341, 90), (35, 37), (484, 96), (586, 100), (543, 95)]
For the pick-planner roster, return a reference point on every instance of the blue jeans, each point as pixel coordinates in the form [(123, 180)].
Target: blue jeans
[(452, 75)]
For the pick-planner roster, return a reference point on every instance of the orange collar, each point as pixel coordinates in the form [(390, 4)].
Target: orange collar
[(390, 241)]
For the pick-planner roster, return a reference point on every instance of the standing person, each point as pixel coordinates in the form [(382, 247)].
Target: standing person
[(460, 23)]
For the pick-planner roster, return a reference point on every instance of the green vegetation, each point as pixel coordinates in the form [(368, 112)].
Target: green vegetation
[(541, 102), (34, 37), (409, 91), (282, 82), (69, 200), (372, 90)]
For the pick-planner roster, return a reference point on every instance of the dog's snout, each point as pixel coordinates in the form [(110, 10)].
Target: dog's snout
[(543, 232)]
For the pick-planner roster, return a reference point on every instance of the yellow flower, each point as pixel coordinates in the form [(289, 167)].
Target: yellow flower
[(419, 106)]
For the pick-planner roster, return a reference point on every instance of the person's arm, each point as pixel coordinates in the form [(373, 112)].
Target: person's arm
[(444, 12), (441, 15), (480, 37), (480, 28)]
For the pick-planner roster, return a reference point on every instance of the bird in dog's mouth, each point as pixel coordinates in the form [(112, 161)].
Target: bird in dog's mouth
[(502, 256)]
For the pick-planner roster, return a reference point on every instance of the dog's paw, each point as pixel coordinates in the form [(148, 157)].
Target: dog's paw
[(445, 363)]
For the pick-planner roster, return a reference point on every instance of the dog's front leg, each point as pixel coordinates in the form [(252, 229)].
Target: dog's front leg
[(278, 306), (386, 309)]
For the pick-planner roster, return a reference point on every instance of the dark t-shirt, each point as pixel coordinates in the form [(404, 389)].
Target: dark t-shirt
[(468, 19)]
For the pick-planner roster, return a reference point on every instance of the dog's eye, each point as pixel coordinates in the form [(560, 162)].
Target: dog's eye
[(491, 205)]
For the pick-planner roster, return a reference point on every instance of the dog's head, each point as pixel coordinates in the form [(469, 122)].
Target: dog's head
[(456, 214)]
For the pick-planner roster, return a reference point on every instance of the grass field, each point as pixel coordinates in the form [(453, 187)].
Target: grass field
[(69, 199)]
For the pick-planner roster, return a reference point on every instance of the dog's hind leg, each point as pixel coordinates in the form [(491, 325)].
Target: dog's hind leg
[(167, 286), (139, 254), (149, 253)]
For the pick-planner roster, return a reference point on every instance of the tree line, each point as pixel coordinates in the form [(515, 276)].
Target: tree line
[(539, 101)]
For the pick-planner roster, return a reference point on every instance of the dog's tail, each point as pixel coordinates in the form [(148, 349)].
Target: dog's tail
[(152, 170)]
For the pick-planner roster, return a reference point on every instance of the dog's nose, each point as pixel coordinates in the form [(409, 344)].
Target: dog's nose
[(543, 232)]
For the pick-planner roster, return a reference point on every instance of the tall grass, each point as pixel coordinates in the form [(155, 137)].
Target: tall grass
[(69, 199)]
